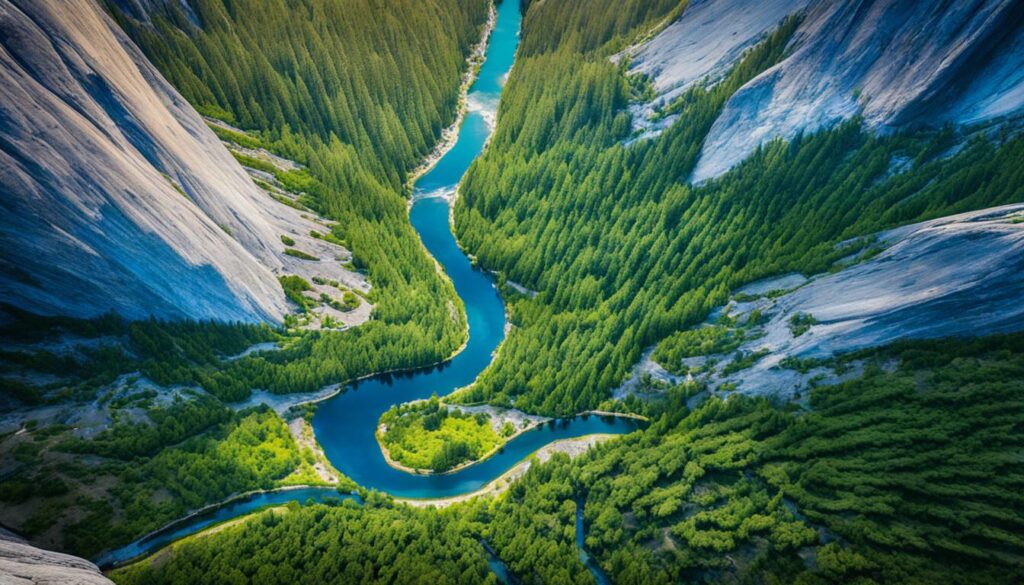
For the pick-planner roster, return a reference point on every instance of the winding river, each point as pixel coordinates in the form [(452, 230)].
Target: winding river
[(345, 424)]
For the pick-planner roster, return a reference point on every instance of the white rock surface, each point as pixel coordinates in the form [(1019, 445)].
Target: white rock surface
[(959, 275), (898, 63), (94, 144), (24, 564), (706, 40)]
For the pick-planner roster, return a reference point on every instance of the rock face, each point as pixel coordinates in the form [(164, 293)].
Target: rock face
[(24, 564), (706, 40), (955, 276), (961, 275), (897, 63), (115, 194), (952, 276)]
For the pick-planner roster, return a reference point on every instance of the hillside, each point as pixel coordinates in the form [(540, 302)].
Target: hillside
[(956, 276), (603, 218), (149, 406), (898, 65), (373, 84)]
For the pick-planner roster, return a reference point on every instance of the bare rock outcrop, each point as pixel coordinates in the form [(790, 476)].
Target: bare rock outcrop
[(24, 564), (961, 275), (897, 63), (115, 194)]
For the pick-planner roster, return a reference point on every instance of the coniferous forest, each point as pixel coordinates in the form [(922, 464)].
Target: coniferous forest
[(359, 92), (625, 252), (893, 463), (876, 480), (386, 87)]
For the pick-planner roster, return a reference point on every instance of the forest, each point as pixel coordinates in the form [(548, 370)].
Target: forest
[(905, 474), (624, 251), (341, 542), (135, 477), (359, 99), (369, 82), (359, 102), (908, 472)]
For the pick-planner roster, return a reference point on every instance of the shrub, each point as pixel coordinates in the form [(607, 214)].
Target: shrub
[(300, 254)]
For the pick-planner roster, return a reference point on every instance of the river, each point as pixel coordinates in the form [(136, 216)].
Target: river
[(345, 424)]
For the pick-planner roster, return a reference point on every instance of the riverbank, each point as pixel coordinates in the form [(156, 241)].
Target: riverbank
[(449, 138), (450, 135), (618, 414), (156, 555), (319, 470), (534, 423), (282, 403), (135, 550), (497, 419), (572, 447), (177, 531), (346, 424)]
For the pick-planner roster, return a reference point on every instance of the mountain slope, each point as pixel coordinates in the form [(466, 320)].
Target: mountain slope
[(897, 63), (118, 197), (621, 245), (956, 276), (381, 78)]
